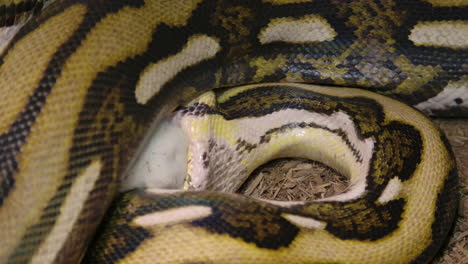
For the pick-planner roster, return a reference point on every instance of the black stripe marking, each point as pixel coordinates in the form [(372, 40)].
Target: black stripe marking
[(115, 243), (446, 211), (447, 205), (345, 219), (16, 137), (267, 136), (452, 61), (397, 150), (12, 140)]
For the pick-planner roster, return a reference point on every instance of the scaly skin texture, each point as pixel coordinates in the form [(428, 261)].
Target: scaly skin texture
[(84, 82), (244, 128)]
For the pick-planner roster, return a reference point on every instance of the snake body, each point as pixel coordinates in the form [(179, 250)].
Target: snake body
[(84, 82)]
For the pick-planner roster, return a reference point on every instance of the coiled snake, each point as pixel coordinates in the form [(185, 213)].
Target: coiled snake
[(84, 82)]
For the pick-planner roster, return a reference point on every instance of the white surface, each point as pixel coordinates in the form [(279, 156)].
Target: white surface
[(163, 163)]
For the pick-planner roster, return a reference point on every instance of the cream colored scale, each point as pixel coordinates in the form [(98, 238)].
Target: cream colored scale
[(64, 179)]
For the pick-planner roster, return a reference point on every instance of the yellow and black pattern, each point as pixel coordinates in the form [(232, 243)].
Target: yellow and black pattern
[(272, 230), (84, 81)]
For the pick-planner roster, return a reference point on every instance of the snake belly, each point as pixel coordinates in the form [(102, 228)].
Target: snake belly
[(85, 81)]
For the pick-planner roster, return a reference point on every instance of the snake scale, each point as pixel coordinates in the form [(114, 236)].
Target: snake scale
[(84, 82)]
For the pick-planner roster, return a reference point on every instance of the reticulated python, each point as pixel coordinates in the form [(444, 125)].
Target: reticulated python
[(83, 82)]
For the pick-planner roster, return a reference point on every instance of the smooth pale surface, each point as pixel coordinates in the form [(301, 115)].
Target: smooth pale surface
[(163, 162)]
